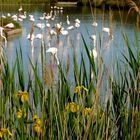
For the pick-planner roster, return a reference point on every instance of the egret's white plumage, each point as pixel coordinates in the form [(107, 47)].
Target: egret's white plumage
[(93, 38), (20, 9), (64, 32), (53, 51), (42, 17), (8, 14), (39, 36), (23, 16), (40, 25), (3, 16), (94, 24), (77, 20), (52, 32), (68, 21), (9, 25), (94, 53), (48, 25), (14, 17), (107, 30), (77, 25), (31, 18), (70, 27)]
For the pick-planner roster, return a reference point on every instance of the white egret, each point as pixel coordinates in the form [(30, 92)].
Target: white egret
[(10, 26), (14, 17), (68, 21), (55, 7), (52, 32), (1, 34), (77, 25), (20, 9), (42, 17), (31, 18), (70, 27), (3, 16), (94, 24), (8, 14), (53, 17), (31, 37), (23, 16), (107, 30), (39, 36), (52, 7), (64, 32), (53, 51), (93, 38), (49, 15), (61, 8), (20, 19), (77, 21), (40, 25), (48, 25), (94, 53)]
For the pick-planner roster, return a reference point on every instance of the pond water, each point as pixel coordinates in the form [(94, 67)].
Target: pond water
[(109, 49)]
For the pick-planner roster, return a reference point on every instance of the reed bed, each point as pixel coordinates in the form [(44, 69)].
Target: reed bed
[(43, 106)]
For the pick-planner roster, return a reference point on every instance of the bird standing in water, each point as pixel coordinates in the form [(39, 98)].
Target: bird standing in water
[(53, 51), (31, 37)]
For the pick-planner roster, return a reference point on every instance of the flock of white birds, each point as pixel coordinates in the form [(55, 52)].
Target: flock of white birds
[(56, 29)]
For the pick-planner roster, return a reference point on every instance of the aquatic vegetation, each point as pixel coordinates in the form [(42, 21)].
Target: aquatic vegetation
[(43, 106)]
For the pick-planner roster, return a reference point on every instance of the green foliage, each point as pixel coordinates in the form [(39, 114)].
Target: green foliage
[(70, 111)]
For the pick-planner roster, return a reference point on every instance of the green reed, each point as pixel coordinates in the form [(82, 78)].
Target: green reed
[(43, 107)]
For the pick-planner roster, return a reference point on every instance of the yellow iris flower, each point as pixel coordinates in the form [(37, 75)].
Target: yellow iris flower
[(78, 89), (37, 124), (20, 113), (72, 107), (37, 128), (87, 111), (4, 131), (23, 96)]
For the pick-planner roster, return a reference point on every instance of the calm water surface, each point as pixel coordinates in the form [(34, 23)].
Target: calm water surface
[(73, 42)]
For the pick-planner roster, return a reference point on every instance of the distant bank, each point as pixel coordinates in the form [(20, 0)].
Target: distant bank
[(95, 3)]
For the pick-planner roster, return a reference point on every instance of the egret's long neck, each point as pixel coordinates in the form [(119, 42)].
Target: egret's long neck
[(55, 55), (94, 42)]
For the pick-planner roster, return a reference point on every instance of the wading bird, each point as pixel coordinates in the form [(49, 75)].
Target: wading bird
[(68, 21), (53, 51), (93, 52), (94, 24), (108, 31), (10, 26), (93, 38)]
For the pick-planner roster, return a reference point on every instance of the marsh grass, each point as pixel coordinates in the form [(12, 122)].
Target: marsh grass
[(44, 107), (64, 114)]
